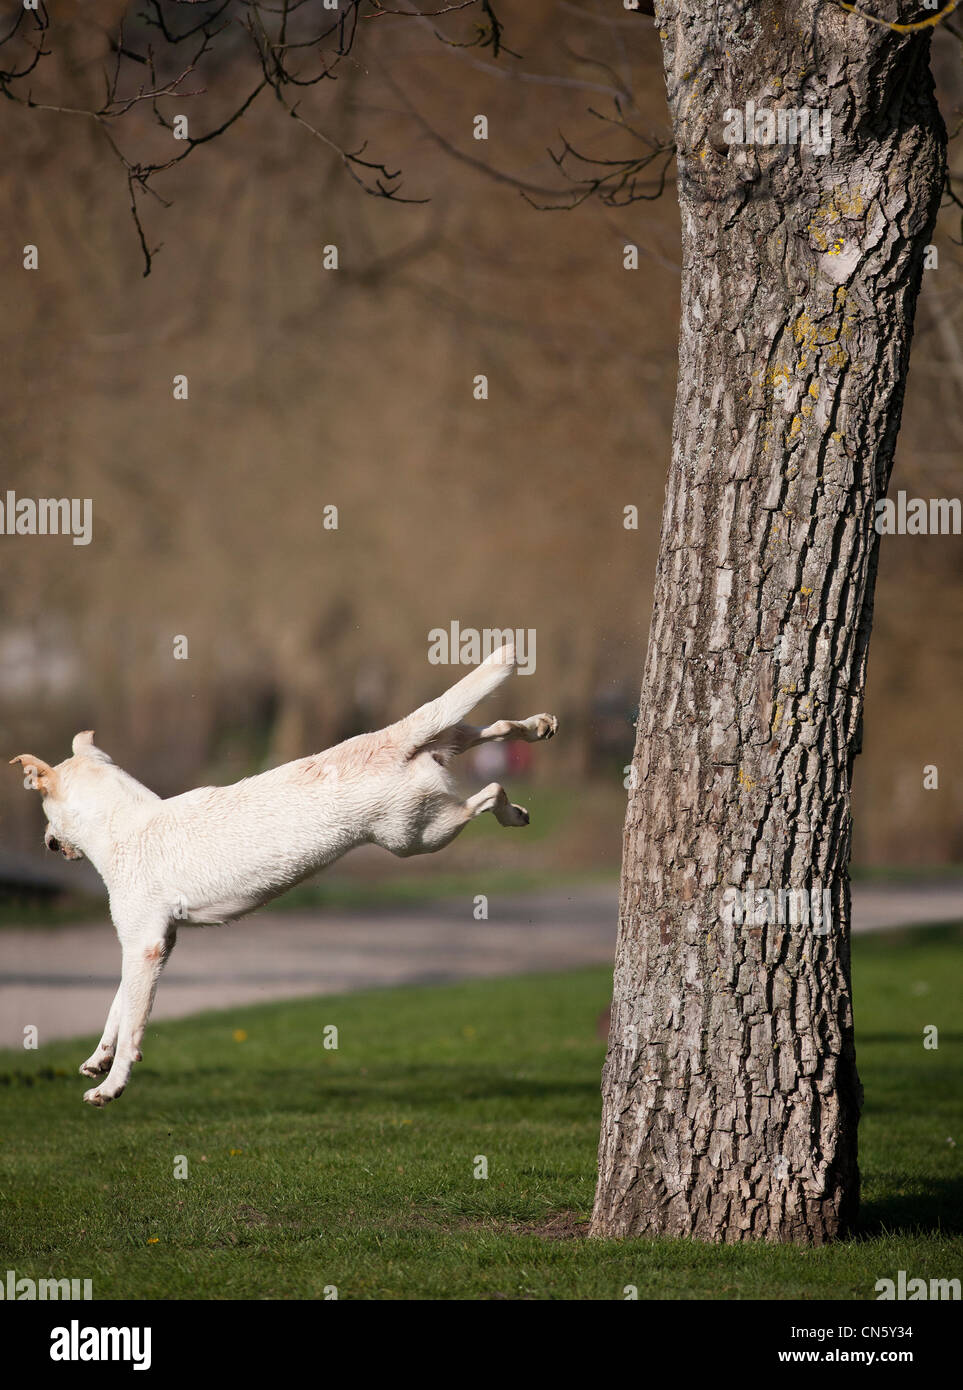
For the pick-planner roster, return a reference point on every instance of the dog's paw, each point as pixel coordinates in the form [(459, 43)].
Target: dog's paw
[(513, 815), (97, 1065), (544, 726), (99, 1097)]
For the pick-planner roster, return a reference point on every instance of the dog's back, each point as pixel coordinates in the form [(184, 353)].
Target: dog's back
[(227, 850)]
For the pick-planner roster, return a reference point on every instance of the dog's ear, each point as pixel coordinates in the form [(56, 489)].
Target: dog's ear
[(84, 747), (38, 775)]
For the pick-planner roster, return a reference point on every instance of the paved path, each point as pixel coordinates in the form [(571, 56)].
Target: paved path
[(62, 978)]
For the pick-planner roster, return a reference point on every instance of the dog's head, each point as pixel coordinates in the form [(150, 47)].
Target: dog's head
[(68, 790)]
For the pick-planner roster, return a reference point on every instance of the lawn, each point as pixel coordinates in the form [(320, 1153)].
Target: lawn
[(310, 1168)]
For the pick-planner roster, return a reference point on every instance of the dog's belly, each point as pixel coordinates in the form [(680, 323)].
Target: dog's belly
[(216, 914), (212, 904)]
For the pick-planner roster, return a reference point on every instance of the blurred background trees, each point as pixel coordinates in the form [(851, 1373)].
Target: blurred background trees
[(354, 387)]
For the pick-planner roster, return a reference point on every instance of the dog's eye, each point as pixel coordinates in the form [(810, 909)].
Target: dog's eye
[(53, 844)]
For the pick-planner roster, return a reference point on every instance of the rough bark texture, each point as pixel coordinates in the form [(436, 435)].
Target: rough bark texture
[(731, 1098)]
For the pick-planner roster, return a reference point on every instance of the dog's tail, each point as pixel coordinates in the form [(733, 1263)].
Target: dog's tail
[(428, 721)]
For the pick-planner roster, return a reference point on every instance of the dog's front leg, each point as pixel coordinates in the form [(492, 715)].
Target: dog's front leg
[(103, 1054), (143, 961)]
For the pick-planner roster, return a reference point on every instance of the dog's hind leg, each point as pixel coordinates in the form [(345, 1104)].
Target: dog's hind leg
[(143, 960), (531, 730), (103, 1054), (452, 815), (493, 798)]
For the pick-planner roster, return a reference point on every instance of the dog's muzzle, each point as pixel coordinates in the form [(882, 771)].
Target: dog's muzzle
[(61, 847)]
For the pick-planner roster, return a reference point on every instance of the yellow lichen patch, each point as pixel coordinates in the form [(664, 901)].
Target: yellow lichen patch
[(849, 204), (804, 330), (743, 780), (776, 376), (838, 437), (818, 237), (841, 203)]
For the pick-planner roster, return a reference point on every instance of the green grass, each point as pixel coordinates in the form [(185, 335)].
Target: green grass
[(905, 873), (355, 1167)]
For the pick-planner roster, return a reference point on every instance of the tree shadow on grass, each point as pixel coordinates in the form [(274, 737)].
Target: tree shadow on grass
[(912, 1039), (429, 1088), (937, 1210), (433, 1085)]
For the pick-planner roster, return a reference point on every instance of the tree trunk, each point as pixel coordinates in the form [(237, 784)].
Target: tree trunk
[(730, 1093)]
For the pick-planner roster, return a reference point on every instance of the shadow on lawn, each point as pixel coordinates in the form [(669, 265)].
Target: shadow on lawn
[(938, 1209), (909, 1039), (426, 1086), (431, 1086)]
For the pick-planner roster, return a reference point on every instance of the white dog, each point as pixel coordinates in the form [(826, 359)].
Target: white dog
[(212, 854)]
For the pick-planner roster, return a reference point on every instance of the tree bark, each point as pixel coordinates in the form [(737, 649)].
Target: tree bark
[(730, 1093)]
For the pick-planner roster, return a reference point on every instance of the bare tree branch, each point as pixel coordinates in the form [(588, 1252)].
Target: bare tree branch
[(294, 44)]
